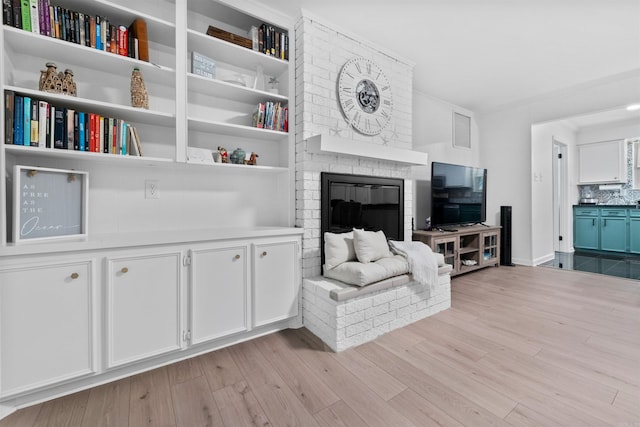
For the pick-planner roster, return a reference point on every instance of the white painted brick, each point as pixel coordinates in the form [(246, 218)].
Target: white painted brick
[(354, 318), (384, 318), (400, 302), (384, 297), (358, 328), (359, 304)]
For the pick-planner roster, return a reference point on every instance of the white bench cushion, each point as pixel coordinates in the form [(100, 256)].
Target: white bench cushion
[(361, 274)]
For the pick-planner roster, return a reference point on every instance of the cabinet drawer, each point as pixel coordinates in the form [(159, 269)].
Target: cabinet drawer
[(586, 211), (619, 213), (634, 213)]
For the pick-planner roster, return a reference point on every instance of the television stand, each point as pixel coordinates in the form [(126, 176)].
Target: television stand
[(442, 230), (467, 249)]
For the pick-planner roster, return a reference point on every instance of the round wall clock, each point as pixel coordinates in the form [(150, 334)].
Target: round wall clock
[(364, 93)]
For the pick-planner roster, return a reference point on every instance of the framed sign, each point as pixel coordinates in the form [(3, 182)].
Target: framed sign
[(461, 131), (49, 204)]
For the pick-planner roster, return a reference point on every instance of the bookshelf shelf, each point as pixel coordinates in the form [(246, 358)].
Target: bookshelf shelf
[(37, 152), (243, 169), (63, 52), (131, 114), (221, 89), (230, 53), (230, 129)]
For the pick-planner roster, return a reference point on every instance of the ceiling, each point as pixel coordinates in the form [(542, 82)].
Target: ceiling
[(485, 55)]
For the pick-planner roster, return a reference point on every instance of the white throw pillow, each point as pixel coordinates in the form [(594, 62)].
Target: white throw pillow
[(370, 245), (338, 248)]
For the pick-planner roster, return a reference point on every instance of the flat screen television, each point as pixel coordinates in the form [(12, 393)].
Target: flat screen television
[(458, 195)]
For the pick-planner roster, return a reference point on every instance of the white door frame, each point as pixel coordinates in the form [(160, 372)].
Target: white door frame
[(560, 198)]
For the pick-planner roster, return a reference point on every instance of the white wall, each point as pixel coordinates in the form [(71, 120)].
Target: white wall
[(542, 233), (433, 134), (505, 141)]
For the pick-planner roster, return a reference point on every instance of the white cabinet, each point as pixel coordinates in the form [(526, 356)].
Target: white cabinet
[(143, 306), (218, 292), (602, 162), (276, 285), (46, 324)]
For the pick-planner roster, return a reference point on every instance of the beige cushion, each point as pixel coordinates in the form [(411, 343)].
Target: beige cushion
[(361, 274), (338, 248), (370, 245)]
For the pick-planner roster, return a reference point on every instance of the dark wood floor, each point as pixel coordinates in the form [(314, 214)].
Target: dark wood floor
[(521, 346)]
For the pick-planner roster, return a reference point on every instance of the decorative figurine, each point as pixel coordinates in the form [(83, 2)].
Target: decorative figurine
[(273, 85), (223, 154), (68, 85), (52, 81), (253, 159), (238, 156), (139, 95)]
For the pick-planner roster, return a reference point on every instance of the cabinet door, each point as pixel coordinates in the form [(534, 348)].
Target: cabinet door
[(143, 307), (448, 247), (276, 284), (490, 248), (46, 325), (613, 234), (585, 234), (602, 162), (634, 235), (218, 292)]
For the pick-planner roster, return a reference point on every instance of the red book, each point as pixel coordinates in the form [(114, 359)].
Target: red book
[(123, 41), (92, 132)]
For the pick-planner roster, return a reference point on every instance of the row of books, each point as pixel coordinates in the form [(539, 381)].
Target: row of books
[(271, 115), (270, 41), (39, 16), (37, 123)]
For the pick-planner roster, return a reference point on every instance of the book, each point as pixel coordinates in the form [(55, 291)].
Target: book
[(9, 97), (123, 41), (44, 10), (131, 138), (42, 29), (138, 30), (25, 8), (87, 132), (7, 12), (100, 134), (105, 133), (104, 27), (76, 131), (92, 132), (81, 29), (18, 120), (69, 129), (138, 141), (81, 138), (34, 12), (26, 121), (17, 13), (51, 121), (43, 113), (98, 33), (59, 128), (56, 22)]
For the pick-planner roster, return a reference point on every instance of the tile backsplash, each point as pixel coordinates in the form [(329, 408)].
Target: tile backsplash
[(627, 194)]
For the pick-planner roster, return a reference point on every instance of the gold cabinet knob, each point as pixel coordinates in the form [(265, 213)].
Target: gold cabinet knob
[(74, 276), (237, 256), (124, 270)]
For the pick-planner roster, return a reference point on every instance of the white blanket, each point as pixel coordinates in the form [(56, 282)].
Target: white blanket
[(423, 264)]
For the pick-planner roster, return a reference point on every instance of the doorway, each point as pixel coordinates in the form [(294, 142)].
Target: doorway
[(561, 233)]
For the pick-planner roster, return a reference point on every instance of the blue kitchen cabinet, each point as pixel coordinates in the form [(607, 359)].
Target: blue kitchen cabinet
[(634, 231), (586, 226), (613, 230)]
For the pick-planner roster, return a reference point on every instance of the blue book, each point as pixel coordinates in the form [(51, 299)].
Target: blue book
[(18, 120), (26, 122), (59, 128), (98, 40), (81, 131)]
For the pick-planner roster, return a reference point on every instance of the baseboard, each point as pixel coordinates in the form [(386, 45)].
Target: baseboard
[(544, 258)]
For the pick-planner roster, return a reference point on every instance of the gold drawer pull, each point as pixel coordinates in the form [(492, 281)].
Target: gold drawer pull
[(264, 253), (236, 257), (74, 276), (124, 270)]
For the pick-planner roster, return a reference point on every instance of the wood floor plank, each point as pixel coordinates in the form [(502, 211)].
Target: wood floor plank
[(421, 411), (526, 417), (220, 369), (374, 410), (238, 406), (24, 417), (339, 415), (310, 390), (185, 370), (277, 400), (108, 405), (66, 411), (194, 404), (151, 403)]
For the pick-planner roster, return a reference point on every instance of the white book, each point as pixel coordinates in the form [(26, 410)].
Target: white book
[(101, 136), (35, 16), (133, 145), (82, 33), (43, 113)]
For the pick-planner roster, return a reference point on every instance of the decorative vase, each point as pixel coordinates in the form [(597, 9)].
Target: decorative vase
[(139, 95), (259, 81)]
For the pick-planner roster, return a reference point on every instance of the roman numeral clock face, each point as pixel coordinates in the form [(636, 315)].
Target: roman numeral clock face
[(364, 93)]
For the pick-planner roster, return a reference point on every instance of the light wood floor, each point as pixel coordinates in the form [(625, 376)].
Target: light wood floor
[(521, 346)]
